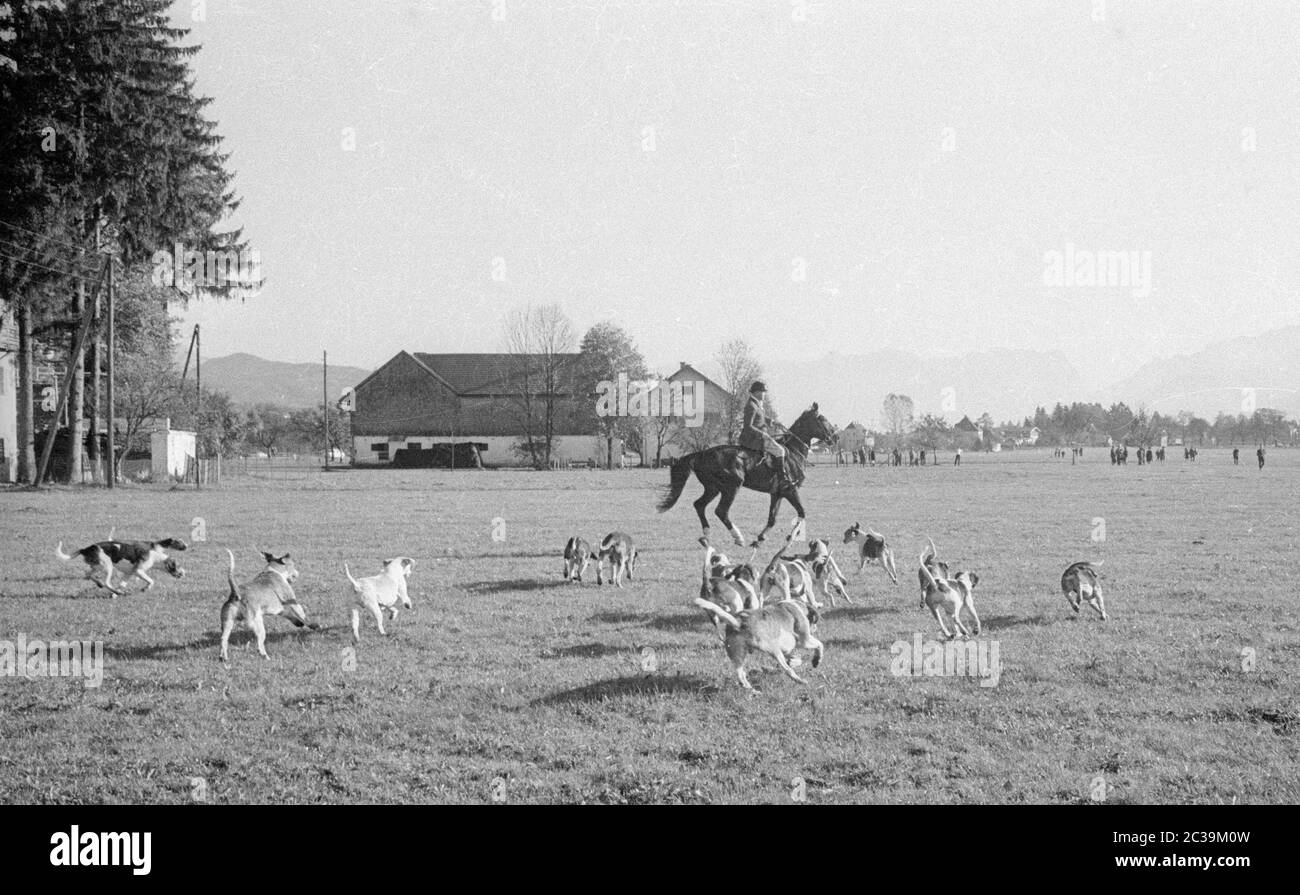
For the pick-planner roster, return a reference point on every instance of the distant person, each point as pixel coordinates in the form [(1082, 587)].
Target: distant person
[(1148, 456), (1260, 454), (923, 456), (956, 460), (1236, 455)]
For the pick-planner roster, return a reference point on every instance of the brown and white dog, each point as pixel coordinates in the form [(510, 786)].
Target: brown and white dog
[(1079, 583), (776, 629), (577, 554), (269, 593), (871, 549), (138, 557), (380, 593), (731, 587), (791, 577), (935, 568), (950, 595), (621, 553), (826, 573)]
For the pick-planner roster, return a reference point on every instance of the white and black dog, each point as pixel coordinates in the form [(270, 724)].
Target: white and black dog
[(136, 558), (871, 549)]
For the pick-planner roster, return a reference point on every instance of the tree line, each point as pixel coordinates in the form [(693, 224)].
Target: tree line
[(106, 157)]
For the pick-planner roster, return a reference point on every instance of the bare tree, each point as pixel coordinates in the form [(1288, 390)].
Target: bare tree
[(897, 412), (540, 343), (739, 369)]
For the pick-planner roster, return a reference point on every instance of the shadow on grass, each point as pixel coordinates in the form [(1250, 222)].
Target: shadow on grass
[(585, 651), (515, 584), (1015, 621), (211, 640), (637, 685), (855, 612)]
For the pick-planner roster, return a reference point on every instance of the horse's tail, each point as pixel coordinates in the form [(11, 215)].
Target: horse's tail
[(680, 475)]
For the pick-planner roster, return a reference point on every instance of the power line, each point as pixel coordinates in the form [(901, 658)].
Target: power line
[(78, 270), (43, 236), (63, 273)]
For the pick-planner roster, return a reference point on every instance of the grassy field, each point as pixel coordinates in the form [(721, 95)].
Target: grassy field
[(507, 683)]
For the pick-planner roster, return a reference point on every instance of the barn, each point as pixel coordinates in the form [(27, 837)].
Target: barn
[(416, 400)]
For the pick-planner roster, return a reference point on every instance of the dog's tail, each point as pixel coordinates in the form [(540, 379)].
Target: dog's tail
[(934, 582), (727, 618), (356, 586), (677, 479), (934, 551), (58, 551), (230, 577)]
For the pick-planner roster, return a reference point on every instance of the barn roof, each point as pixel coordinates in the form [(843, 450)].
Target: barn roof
[(484, 374)]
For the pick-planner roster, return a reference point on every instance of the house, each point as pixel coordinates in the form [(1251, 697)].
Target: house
[(1032, 436), (703, 422), (416, 400), (852, 437)]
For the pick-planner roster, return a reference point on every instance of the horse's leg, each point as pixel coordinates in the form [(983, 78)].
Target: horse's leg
[(702, 505), (771, 518), (723, 512)]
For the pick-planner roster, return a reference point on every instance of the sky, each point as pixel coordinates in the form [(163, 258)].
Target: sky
[(810, 177)]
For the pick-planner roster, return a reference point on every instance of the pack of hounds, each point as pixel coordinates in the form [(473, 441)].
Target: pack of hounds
[(776, 611), (248, 603), (773, 612)]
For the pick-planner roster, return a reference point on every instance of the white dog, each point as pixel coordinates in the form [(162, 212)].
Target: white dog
[(380, 592)]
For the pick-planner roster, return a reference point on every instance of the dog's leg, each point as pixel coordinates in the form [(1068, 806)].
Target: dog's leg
[(785, 666), (356, 625), (227, 625), (378, 614), (743, 678), (259, 628), (148, 582), (1098, 603), (938, 616), (1074, 599), (970, 607)]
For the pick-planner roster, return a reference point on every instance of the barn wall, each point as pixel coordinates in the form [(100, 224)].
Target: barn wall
[(402, 398), (500, 450)]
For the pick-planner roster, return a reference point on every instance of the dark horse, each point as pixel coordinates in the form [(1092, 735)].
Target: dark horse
[(725, 468)]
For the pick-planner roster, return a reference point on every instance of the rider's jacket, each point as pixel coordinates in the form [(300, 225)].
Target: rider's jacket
[(753, 422)]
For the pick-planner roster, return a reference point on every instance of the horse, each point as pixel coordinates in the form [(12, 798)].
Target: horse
[(724, 468)]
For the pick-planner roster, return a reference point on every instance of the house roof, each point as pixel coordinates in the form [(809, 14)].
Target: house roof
[(484, 374), (965, 425), (687, 372)]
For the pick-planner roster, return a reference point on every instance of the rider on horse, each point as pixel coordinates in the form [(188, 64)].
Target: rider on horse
[(754, 422)]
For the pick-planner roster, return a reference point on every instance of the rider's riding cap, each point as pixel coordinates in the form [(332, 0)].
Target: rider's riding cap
[(758, 386)]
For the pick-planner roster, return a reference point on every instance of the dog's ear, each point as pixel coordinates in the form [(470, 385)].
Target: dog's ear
[(269, 557), (284, 558), (974, 579)]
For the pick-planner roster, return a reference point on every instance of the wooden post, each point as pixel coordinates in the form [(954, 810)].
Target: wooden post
[(325, 398), (112, 351), (198, 409)]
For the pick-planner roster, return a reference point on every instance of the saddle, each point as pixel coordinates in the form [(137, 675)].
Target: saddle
[(761, 476)]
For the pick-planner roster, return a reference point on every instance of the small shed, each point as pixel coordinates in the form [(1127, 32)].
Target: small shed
[(171, 450)]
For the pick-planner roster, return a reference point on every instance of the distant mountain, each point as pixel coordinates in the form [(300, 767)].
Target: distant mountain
[(1007, 384), (249, 379), (1212, 380)]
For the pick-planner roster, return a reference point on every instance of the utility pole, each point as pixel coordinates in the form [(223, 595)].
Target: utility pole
[(325, 401), (198, 409), (112, 352)]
